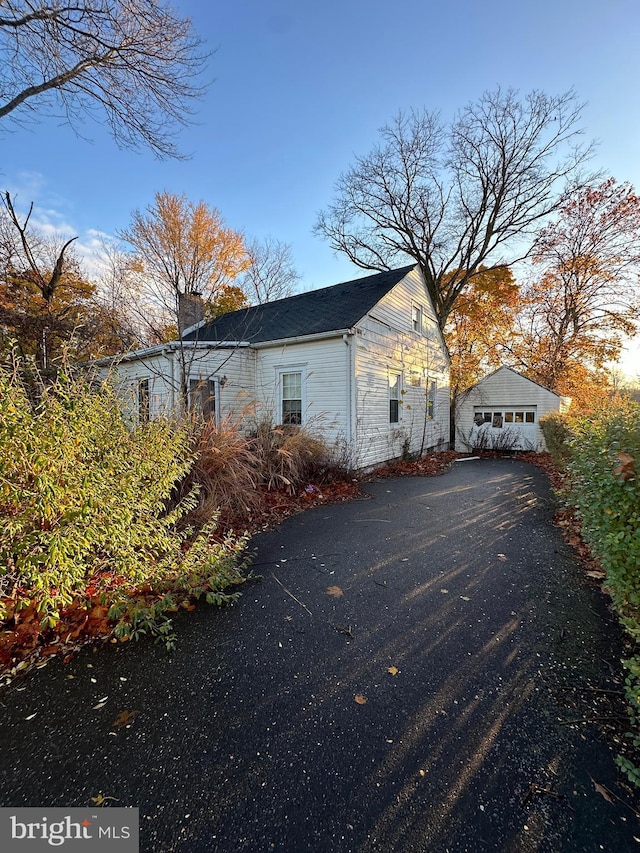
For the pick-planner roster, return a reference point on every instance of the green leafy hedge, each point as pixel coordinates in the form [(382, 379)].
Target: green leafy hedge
[(604, 486), (84, 504)]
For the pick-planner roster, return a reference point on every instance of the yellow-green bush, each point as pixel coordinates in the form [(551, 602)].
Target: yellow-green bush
[(83, 503)]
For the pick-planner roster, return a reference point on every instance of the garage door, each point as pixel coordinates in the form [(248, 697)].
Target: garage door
[(506, 428)]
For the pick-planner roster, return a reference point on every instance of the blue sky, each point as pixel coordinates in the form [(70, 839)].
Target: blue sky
[(299, 89)]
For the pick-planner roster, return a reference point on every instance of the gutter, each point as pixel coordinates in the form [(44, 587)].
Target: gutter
[(300, 339), (164, 349)]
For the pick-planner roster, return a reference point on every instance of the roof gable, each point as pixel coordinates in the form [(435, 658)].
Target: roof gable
[(328, 309), (519, 375)]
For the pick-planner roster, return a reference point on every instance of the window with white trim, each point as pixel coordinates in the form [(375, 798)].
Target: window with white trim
[(416, 318), (499, 419), (202, 397), (394, 398), (432, 393), (291, 397)]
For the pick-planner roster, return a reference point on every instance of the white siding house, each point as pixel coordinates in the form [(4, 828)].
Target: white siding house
[(503, 410), (362, 362)]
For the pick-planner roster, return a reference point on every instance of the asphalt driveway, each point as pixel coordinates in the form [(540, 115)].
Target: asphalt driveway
[(402, 678)]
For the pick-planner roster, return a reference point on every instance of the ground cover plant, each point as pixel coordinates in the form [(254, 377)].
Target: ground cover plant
[(601, 456), (93, 541)]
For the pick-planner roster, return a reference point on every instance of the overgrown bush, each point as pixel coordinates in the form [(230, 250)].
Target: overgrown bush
[(557, 435), (604, 486), (226, 470), (485, 439), (290, 455), (84, 507)]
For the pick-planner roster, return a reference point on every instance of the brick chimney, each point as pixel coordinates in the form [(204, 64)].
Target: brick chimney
[(190, 311)]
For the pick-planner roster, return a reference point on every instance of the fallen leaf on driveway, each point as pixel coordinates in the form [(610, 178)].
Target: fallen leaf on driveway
[(502, 557), (393, 670), (600, 789), (596, 575), (360, 699), (31, 716), (100, 799), (124, 718), (465, 598), (335, 591), (444, 590)]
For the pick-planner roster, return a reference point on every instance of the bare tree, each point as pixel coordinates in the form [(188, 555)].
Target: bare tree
[(272, 274), (456, 198), (135, 321), (43, 266), (134, 63)]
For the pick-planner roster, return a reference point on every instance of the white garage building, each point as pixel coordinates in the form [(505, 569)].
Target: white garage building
[(502, 412)]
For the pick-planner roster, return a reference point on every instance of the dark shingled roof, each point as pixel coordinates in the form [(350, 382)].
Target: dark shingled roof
[(325, 310)]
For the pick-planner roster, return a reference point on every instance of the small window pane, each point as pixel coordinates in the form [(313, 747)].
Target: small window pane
[(508, 417), (431, 400), (416, 316), (291, 412), (488, 416), (530, 417), (497, 420), (143, 400), (519, 417), (292, 386), (394, 399)]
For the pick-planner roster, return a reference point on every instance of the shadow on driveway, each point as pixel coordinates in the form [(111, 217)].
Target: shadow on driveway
[(397, 681)]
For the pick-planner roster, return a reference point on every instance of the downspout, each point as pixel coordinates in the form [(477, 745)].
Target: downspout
[(350, 426)]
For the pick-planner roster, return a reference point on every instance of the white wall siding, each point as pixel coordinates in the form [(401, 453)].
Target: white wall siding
[(387, 345), (325, 367), (505, 390), (232, 368)]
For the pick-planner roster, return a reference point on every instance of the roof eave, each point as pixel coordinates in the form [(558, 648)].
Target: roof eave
[(299, 339)]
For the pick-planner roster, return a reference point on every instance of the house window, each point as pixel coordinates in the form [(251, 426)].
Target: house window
[(394, 398), (416, 319), (291, 388), (202, 397), (500, 419), (143, 401), (431, 400)]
